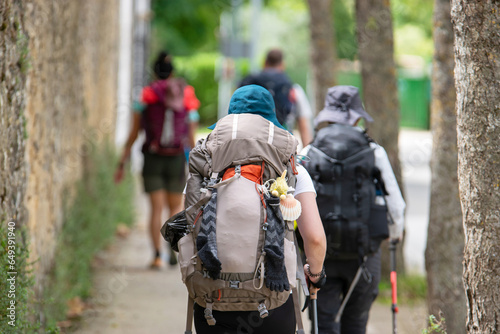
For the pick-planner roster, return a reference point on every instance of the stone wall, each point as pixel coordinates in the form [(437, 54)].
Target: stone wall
[(64, 103), (13, 68)]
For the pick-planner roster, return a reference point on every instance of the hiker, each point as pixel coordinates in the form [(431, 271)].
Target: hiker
[(356, 188), (168, 114), (292, 105), (238, 277)]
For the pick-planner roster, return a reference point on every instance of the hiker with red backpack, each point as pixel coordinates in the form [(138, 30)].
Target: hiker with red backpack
[(168, 115), (360, 205), (237, 251)]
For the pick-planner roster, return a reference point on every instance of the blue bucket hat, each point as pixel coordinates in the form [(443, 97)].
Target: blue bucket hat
[(253, 99)]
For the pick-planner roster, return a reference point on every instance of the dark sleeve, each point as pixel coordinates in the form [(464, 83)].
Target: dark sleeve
[(248, 80)]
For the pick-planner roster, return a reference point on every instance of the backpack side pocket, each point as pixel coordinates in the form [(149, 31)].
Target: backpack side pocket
[(378, 226), (291, 262), (186, 255)]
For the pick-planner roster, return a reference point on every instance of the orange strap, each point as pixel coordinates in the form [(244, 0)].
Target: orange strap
[(251, 172)]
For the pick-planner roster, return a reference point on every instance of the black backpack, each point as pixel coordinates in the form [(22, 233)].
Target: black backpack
[(342, 166), (279, 85)]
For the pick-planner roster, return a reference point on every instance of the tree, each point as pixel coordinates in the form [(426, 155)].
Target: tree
[(322, 49), (445, 238), (378, 74), (477, 74)]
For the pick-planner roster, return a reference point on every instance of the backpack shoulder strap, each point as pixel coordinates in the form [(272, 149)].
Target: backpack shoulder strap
[(190, 316)]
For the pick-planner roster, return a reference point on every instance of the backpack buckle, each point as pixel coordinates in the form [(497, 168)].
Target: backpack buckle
[(263, 312), (234, 284), (213, 180), (208, 315)]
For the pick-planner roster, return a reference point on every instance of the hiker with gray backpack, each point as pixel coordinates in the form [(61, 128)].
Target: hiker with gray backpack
[(360, 205), (237, 251)]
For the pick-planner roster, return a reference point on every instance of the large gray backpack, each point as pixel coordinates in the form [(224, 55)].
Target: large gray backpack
[(227, 172)]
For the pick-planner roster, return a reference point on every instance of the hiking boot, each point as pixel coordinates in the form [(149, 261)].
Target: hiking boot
[(157, 263)]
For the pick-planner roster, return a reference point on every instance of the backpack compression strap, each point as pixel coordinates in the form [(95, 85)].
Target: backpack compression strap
[(190, 315)]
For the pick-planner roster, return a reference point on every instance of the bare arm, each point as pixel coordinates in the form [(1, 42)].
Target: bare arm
[(193, 126), (304, 130), (312, 232), (134, 132)]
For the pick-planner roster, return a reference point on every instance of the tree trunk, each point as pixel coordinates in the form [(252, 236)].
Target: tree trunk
[(477, 76), (323, 55), (445, 237), (380, 93)]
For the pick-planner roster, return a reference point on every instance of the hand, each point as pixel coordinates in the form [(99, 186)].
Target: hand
[(309, 278), (317, 282), (119, 173)]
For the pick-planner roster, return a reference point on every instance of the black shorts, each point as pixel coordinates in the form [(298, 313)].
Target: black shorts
[(164, 172), (281, 320)]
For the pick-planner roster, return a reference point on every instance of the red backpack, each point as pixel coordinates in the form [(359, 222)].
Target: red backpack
[(165, 118)]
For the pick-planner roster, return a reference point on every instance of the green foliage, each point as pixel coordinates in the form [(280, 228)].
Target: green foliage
[(413, 25), (19, 274), (186, 27), (435, 326), (411, 39), (199, 71), (90, 223), (418, 13), (411, 288), (412, 22)]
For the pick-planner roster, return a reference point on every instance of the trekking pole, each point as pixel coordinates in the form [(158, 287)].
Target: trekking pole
[(313, 292), (394, 284)]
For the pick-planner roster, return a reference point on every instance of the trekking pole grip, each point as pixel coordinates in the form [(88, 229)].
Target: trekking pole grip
[(313, 292)]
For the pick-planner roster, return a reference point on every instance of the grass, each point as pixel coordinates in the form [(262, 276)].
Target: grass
[(435, 326), (14, 251), (90, 224)]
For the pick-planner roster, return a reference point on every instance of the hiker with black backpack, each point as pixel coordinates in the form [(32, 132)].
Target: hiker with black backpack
[(168, 115), (360, 205), (292, 106), (237, 251)]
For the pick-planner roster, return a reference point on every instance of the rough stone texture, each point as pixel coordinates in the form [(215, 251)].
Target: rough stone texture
[(65, 106), (12, 102)]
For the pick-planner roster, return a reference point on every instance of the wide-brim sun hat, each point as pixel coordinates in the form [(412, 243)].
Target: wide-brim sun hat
[(253, 99), (342, 105)]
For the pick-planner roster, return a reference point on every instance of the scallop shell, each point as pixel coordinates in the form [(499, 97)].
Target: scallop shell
[(290, 208)]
